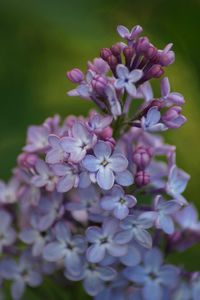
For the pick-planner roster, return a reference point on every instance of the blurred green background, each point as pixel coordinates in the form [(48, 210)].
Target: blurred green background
[(42, 39)]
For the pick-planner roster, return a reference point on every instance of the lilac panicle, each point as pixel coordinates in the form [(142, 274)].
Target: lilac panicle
[(99, 199)]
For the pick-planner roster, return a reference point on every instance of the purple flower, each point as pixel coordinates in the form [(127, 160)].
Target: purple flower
[(37, 139), (78, 144), (126, 80), (152, 121), (35, 236), (84, 204), (129, 35), (162, 214), (133, 256), (172, 118), (153, 275), (56, 154), (170, 98), (44, 176), (118, 202), (177, 182), (9, 191), (69, 177), (98, 123), (94, 277), (7, 233), (106, 165), (188, 218), (134, 228), (22, 273), (50, 208), (99, 66), (113, 101), (65, 247), (102, 240)]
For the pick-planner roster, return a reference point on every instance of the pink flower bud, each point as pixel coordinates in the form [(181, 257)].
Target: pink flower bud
[(142, 178), (105, 53), (75, 75), (27, 160), (99, 84), (142, 157), (172, 118)]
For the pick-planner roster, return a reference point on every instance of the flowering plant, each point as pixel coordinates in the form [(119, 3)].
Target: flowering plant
[(99, 199)]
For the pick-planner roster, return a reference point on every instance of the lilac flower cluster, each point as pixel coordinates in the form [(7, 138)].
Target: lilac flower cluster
[(99, 199)]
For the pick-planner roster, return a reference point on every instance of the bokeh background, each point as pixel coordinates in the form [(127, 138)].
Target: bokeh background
[(42, 39)]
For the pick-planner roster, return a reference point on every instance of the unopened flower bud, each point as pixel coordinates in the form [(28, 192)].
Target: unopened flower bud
[(99, 84), (142, 178), (172, 118), (155, 72), (75, 75), (142, 45), (142, 157), (128, 53), (27, 160), (116, 50), (105, 53)]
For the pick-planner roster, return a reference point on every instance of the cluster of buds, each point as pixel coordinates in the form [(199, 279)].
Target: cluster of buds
[(75, 204)]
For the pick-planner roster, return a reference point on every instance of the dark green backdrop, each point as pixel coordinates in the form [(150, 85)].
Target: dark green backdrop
[(41, 40)]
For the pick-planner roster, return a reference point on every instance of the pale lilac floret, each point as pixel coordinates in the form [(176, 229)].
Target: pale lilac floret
[(98, 123), (94, 277), (153, 275), (44, 176), (69, 177), (50, 209), (7, 233), (133, 256), (9, 191), (66, 247), (177, 182), (102, 240), (99, 66), (21, 273), (172, 118), (152, 121), (78, 144), (35, 236), (170, 97), (162, 214), (113, 101), (37, 139), (134, 228), (85, 204), (129, 35), (106, 164), (188, 218), (126, 80), (118, 202), (56, 154)]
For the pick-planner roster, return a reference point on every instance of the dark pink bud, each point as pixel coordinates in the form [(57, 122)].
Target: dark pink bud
[(155, 72), (142, 178), (142, 157), (128, 53), (75, 75), (105, 53), (116, 50), (99, 84), (142, 45)]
